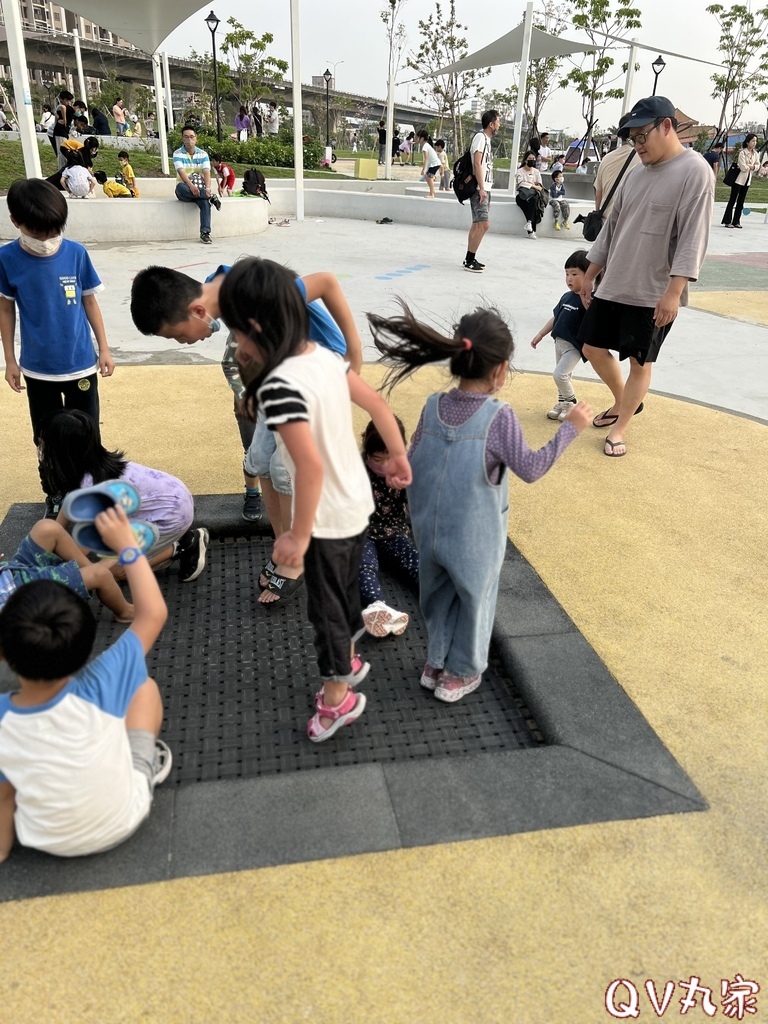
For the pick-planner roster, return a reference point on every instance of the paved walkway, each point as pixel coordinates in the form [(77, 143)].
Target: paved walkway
[(655, 558)]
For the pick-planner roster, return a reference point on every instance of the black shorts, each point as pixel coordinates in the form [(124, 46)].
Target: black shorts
[(628, 330)]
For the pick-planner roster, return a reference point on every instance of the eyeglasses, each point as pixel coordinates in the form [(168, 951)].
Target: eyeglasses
[(639, 140)]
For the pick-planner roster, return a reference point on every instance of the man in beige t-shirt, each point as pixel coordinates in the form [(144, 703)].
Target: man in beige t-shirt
[(652, 245), (609, 169)]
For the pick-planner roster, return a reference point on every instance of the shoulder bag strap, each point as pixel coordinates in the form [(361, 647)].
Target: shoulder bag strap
[(617, 182)]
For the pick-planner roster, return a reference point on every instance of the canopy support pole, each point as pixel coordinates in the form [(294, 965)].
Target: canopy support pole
[(79, 63), (298, 113), (521, 84), (390, 126), (161, 133), (168, 98), (23, 97), (626, 103)]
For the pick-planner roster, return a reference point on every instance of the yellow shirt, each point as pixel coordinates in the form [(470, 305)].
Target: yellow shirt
[(130, 178), (113, 189)]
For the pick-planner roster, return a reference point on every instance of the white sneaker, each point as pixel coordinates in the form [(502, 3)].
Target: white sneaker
[(554, 412), (163, 763), (532, 234), (381, 620), (565, 409), (529, 227)]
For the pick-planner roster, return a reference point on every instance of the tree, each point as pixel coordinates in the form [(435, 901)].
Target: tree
[(396, 36), (204, 106), (253, 72), (543, 73), (591, 78), (442, 44), (745, 53)]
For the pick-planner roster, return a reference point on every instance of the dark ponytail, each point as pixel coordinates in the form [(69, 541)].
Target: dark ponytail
[(480, 341)]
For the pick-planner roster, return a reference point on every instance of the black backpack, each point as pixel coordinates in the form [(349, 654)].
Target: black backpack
[(255, 184), (464, 180)]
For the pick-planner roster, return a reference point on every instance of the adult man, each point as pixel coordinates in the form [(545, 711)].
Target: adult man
[(480, 202), (609, 168), (544, 156), (382, 142), (119, 115), (194, 168), (273, 120), (714, 156), (652, 245)]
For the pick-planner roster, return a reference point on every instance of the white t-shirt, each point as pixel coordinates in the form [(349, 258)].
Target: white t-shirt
[(433, 159), (482, 144), (69, 760), (545, 155), (273, 122), (312, 388)]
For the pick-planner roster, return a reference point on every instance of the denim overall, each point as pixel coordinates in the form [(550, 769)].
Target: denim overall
[(460, 528)]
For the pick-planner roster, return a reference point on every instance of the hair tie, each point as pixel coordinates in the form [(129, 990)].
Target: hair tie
[(467, 343)]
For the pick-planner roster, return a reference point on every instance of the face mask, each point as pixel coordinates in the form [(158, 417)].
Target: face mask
[(530, 163), (48, 247), (380, 469), (213, 323)]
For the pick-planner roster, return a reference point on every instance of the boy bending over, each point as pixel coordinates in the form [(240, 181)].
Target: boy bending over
[(79, 754)]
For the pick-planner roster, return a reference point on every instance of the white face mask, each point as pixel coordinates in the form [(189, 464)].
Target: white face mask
[(47, 247)]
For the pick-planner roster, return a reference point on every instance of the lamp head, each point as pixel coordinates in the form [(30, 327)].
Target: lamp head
[(658, 65), (327, 76), (212, 22)]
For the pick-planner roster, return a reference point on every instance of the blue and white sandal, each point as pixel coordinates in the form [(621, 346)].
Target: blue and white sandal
[(87, 536), (83, 505)]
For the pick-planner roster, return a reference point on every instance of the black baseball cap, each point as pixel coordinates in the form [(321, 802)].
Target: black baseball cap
[(652, 108)]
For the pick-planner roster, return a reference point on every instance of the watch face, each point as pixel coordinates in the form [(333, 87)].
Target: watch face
[(128, 556)]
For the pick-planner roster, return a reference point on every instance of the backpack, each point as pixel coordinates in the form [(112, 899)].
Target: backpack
[(464, 180), (255, 184)]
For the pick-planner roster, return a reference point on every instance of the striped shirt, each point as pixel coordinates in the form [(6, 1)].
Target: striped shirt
[(189, 162)]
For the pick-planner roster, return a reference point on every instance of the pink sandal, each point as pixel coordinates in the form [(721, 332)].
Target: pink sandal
[(345, 713)]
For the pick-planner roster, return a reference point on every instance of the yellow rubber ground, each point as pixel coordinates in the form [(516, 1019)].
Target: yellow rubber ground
[(659, 558), (751, 307)]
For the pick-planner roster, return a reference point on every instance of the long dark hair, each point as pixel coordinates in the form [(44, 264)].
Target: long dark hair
[(260, 298), (528, 152), (480, 341), (71, 446)]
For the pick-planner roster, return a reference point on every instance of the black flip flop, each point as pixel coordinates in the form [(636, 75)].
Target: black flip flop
[(284, 587), (613, 444), (611, 419), (267, 571)]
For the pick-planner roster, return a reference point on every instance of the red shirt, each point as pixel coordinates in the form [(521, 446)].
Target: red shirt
[(226, 176)]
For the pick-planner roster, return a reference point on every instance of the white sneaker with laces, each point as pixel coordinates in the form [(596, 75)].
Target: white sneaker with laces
[(529, 227), (381, 620), (554, 412), (532, 234), (161, 767), (566, 408)]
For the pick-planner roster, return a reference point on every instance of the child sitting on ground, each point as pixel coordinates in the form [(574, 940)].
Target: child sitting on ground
[(72, 456), (49, 553), (561, 208), (388, 539), (564, 326), (79, 753), (76, 180), (112, 189), (126, 172), (225, 175)]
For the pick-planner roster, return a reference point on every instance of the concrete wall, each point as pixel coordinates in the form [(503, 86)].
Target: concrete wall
[(107, 141)]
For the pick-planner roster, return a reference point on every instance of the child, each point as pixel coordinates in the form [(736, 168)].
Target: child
[(225, 174), (430, 162), (172, 305), (445, 170), (112, 189), (129, 178), (564, 326), (76, 179), (52, 281), (72, 456), (459, 499), (389, 538), (304, 392), (49, 553), (561, 208), (79, 754)]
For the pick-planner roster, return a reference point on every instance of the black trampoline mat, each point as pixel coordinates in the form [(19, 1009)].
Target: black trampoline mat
[(238, 681)]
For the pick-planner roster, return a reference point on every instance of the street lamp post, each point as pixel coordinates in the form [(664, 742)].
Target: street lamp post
[(658, 66), (328, 151), (213, 23)]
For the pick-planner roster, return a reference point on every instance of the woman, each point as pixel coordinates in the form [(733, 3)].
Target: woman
[(528, 192), (242, 125), (749, 163), (48, 120), (100, 122)]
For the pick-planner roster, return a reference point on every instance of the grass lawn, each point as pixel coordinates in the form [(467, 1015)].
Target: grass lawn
[(757, 197)]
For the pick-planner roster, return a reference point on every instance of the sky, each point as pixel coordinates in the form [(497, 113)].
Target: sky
[(348, 37)]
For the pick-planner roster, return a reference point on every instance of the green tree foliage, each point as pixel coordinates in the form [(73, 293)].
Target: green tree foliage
[(442, 44), (202, 107), (266, 151), (744, 54), (254, 71), (594, 78)]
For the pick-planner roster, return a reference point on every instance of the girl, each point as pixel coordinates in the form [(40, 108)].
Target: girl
[(430, 162), (242, 125), (72, 456), (303, 392), (389, 537), (76, 179), (528, 189), (459, 500)]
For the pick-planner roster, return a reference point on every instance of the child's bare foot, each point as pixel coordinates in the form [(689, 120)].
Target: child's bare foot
[(127, 616)]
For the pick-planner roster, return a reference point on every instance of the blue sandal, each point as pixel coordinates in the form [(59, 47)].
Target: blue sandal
[(87, 536), (83, 505)]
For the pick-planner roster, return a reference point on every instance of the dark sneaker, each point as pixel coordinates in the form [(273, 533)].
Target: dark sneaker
[(215, 201), (253, 508), (205, 237), (161, 766), (474, 267), (191, 554), (53, 505)]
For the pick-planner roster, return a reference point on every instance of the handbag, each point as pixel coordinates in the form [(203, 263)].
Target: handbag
[(593, 222), (731, 174), (527, 193)]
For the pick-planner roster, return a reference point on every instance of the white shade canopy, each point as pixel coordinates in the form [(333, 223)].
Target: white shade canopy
[(508, 49), (145, 23)]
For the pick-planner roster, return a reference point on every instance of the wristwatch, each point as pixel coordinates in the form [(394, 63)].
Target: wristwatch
[(128, 556)]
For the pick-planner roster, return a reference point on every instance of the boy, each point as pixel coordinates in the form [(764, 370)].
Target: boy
[(52, 281), (561, 208), (445, 170), (129, 178), (49, 553), (225, 175), (113, 189), (564, 324), (79, 754), (172, 305)]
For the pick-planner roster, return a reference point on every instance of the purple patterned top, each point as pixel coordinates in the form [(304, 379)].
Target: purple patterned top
[(165, 500), (505, 445)]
